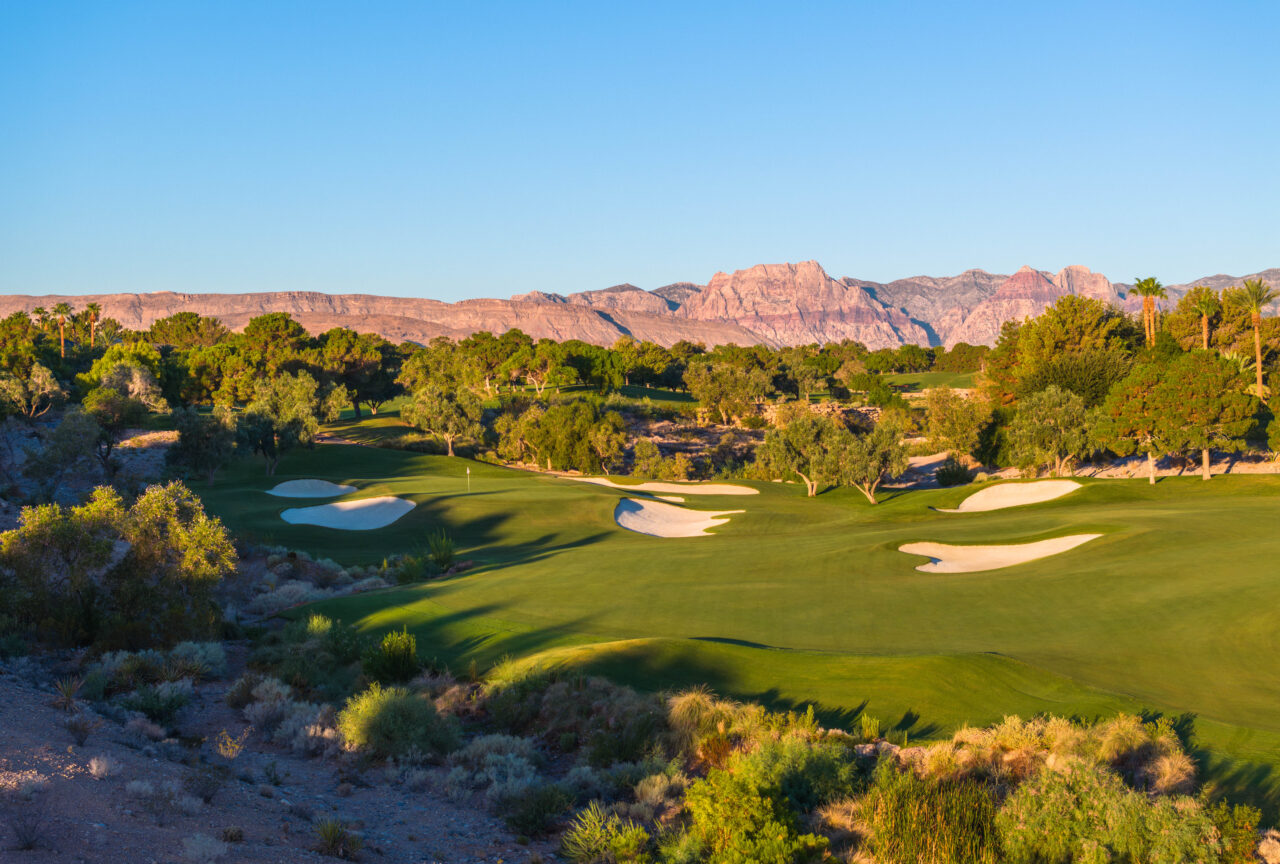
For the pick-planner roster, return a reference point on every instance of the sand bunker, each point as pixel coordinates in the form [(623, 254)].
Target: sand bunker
[(973, 559), (672, 488), (1014, 495), (363, 514), (666, 520), (309, 489)]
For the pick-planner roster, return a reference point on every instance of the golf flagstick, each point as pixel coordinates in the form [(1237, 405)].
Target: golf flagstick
[(468, 479)]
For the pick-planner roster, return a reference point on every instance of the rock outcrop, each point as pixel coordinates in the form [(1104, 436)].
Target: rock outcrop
[(796, 304)]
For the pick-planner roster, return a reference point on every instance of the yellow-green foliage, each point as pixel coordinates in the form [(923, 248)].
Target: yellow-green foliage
[(392, 722)]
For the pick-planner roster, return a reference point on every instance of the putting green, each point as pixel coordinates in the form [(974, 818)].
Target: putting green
[(808, 600)]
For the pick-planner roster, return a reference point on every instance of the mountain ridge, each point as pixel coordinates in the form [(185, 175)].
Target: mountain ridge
[(770, 304)]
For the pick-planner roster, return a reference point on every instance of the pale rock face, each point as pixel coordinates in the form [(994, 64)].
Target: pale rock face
[(1084, 282), (1023, 295), (796, 304)]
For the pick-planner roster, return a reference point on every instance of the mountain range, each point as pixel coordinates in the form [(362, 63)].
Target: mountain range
[(771, 304)]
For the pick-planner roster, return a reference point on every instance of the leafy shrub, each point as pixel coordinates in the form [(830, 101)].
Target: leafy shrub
[(81, 726), (952, 473), (870, 727), (598, 836), (1088, 814), (736, 823), (394, 660), (915, 821), (394, 723), (805, 773)]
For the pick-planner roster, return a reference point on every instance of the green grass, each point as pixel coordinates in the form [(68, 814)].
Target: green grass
[(918, 382), (807, 600)]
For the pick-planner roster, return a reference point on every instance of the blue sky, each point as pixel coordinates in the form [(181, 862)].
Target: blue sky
[(484, 149)]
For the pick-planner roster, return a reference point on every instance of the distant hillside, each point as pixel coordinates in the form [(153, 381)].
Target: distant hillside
[(771, 304)]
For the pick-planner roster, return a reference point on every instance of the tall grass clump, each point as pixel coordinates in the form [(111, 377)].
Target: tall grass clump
[(391, 722), (914, 821), (394, 660)]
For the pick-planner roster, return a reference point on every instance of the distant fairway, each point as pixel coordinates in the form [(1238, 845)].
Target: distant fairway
[(804, 600)]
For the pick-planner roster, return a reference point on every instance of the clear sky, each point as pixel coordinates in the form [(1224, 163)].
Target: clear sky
[(470, 149)]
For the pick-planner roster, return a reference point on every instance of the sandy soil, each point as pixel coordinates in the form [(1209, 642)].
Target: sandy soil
[(309, 489), (974, 559), (364, 514), (666, 520), (1014, 495), (691, 488)]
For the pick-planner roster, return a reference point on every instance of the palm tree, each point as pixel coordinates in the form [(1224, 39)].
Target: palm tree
[(62, 311), (1207, 304), (42, 317), (1256, 295), (95, 312), (1149, 289)]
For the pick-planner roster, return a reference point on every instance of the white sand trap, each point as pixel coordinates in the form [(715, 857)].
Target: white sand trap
[(363, 514), (309, 489), (693, 488), (1014, 495), (973, 559), (674, 499), (666, 520)]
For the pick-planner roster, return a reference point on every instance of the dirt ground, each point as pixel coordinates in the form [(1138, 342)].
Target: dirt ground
[(273, 796)]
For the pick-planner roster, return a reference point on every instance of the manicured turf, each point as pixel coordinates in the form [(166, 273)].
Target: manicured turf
[(807, 600), (916, 382)]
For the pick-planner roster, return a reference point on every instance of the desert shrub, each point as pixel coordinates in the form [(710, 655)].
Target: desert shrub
[(204, 781), (159, 702), (870, 727), (81, 726), (414, 568), (30, 830), (441, 549), (394, 723), (952, 473), (1088, 814), (394, 660), (916, 821), (473, 756), (1238, 829), (599, 837), (233, 834), (805, 773), (736, 823), (202, 849), (208, 657), (102, 767), (533, 810), (335, 839), (240, 693)]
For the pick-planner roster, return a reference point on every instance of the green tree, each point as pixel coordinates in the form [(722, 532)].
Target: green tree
[(205, 442), (274, 343), (135, 353), (187, 330), (953, 422), (874, 457), (283, 416), (1134, 417), (447, 414), (1204, 300), (808, 446), (608, 439), (363, 363), (62, 312), (1256, 295), (726, 390), (33, 394), (161, 591), (1150, 290), (115, 413), (1206, 406), (1051, 427), (94, 313)]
